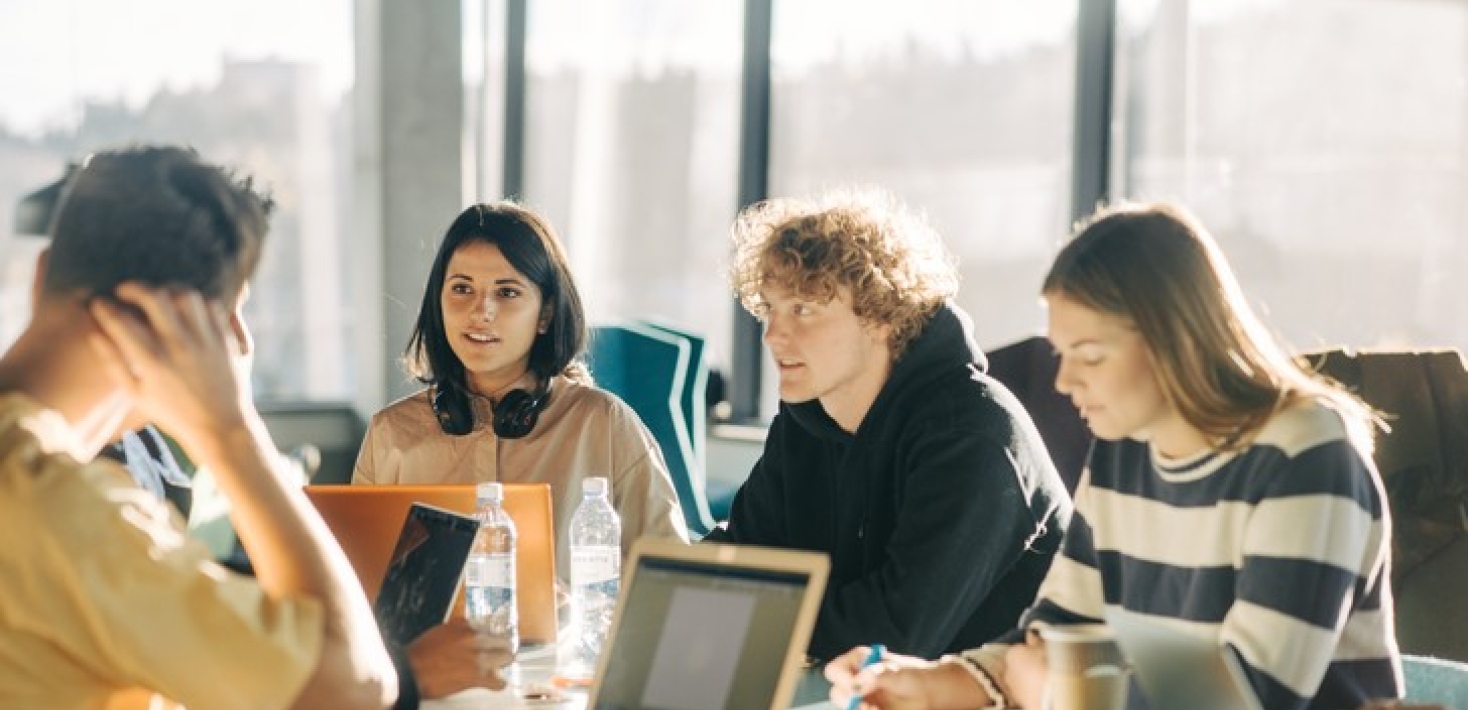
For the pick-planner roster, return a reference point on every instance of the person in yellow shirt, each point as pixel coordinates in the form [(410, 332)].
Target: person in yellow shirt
[(137, 319)]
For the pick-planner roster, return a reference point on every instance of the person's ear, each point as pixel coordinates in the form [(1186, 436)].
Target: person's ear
[(237, 324), (241, 332), (880, 332), (545, 320), (38, 284)]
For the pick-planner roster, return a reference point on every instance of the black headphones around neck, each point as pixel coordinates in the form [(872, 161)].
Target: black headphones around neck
[(514, 416)]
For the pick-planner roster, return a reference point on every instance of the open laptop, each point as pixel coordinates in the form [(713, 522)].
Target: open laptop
[(708, 627), (1178, 671), (367, 520)]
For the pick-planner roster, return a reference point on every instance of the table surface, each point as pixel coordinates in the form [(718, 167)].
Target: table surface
[(535, 671)]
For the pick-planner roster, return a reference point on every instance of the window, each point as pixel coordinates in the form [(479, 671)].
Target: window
[(631, 149), (1323, 144), (961, 108), (260, 86)]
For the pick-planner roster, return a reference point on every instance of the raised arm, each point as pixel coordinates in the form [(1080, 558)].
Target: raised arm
[(178, 355)]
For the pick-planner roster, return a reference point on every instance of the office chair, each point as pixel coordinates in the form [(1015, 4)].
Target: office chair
[(648, 368), (718, 496), (1423, 461), (1028, 368)]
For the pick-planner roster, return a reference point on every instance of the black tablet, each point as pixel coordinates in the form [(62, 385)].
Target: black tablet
[(424, 571)]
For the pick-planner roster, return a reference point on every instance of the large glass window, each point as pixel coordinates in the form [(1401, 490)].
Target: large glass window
[(1323, 142), (262, 86), (632, 138), (961, 108)]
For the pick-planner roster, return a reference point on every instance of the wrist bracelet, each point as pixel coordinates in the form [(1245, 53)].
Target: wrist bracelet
[(981, 676)]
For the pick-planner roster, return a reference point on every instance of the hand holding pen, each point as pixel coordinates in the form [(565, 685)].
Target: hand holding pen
[(873, 678), (873, 657), (856, 677)]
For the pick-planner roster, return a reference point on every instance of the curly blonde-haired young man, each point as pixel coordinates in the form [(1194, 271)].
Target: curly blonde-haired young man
[(892, 451)]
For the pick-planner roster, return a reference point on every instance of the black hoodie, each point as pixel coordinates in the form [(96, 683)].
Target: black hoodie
[(940, 514)]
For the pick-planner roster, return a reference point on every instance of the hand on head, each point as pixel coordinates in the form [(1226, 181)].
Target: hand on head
[(175, 352), (448, 658)]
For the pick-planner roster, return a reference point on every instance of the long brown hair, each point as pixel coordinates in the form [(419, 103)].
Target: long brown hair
[(1156, 266)]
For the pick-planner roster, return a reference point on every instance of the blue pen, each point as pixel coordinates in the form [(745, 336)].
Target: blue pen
[(874, 657)]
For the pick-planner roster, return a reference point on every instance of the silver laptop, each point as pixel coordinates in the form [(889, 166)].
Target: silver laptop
[(1178, 671), (709, 627)]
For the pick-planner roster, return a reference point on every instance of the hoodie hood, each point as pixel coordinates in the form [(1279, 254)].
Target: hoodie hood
[(945, 339)]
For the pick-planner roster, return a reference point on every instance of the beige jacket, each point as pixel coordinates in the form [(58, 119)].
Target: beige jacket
[(583, 431)]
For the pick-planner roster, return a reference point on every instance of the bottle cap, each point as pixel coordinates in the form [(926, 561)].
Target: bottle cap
[(494, 490), (594, 485)]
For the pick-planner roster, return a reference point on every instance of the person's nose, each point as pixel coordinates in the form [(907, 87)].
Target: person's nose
[(484, 309), (774, 330), (1064, 378)]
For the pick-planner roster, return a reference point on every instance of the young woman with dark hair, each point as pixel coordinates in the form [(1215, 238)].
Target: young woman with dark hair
[(499, 344)]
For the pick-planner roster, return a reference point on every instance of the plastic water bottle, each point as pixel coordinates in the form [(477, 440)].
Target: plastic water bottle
[(596, 567), (489, 576)]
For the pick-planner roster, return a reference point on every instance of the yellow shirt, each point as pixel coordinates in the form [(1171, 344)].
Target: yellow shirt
[(102, 591), (583, 431)]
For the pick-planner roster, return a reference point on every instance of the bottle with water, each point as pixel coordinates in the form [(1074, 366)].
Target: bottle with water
[(596, 565), (489, 576)]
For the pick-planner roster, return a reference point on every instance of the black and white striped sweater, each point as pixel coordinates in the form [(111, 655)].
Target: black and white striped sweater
[(1280, 551)]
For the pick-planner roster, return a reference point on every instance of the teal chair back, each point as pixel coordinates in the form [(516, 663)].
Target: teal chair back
[(695, 384), (717, 496), (648, 368), (1436, 681)]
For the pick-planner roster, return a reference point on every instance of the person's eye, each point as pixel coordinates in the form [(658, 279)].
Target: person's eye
[(460, 288), (802, 309), (509, 292)]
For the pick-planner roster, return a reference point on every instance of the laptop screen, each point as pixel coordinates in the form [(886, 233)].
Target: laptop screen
[(705, 634)]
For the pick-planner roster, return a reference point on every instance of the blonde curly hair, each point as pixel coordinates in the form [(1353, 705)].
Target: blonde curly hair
[(888, 257)]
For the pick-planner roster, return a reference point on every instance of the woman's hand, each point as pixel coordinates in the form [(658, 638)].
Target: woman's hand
[(902, 683), (894, 682), (1026, 672)]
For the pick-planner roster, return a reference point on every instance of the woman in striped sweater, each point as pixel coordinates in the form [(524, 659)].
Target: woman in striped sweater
[(1230, 495)]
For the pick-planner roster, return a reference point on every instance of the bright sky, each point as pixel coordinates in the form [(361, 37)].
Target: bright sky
[(59, 52), (706, 33), (858, 28)]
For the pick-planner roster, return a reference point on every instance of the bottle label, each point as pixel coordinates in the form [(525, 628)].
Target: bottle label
[(593, 564), (490, 571)]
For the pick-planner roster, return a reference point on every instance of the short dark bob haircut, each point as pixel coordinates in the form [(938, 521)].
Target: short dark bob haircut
[(532, 247)]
